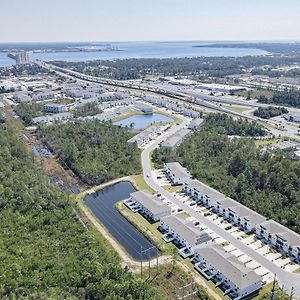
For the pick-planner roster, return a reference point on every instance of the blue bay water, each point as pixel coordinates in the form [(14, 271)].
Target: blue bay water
[(141, 50)]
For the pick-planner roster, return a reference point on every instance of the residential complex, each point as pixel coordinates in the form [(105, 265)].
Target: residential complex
[(176, 139), (273, 233), (280, 237), (176, 173), (237, 280), (183, 232), (149, 205)]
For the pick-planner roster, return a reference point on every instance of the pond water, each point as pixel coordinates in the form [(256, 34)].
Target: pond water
[(143, 121), (102, 204)]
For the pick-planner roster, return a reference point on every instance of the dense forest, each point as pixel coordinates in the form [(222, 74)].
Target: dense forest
[(95, 151), (286, 97), (22, 70), (28, 111), (224, 124), (46, 253), (123, 69), (270, 112), (269, 184)]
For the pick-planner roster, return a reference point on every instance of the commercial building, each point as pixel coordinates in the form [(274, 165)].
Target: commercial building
[(22, 58), (223, 88), (176, 173), (150, 205), (184, 233), (280, 237), (232, 276), (176, 139)]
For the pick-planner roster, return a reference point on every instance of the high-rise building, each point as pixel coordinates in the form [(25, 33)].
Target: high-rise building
[(22, 58)]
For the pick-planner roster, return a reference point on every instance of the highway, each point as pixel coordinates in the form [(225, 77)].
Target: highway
[(194, 100), (288, 280)]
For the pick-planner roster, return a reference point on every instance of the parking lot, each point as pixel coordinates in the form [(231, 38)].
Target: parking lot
[(248, 239)]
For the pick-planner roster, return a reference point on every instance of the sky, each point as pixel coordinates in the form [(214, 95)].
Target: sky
[(149, 20)]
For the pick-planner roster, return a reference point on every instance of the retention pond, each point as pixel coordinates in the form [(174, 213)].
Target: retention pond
[(143, 121), (102, 204)]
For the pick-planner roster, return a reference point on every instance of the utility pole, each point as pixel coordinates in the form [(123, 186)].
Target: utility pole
[(141, 262), (157, 252), (149, 259), (273, 295), (292, 293), (174, 258), (149, 264)]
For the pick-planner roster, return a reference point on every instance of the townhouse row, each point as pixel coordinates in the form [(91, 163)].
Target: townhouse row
[(180, 108), (273, 233), (213, 262), (146, 135), (278, 236)]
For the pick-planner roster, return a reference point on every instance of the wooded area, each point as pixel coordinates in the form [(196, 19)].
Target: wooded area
[(123, 69), (45, 252), (96, 152), (270, 112), (286, 97), (224, 124)]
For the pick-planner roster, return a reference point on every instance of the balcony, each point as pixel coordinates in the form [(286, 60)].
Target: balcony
[(169, 237), (186, 252), (201, 268)]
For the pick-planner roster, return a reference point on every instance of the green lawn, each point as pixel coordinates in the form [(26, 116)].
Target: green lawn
[(255, 93), (140, 184), (173, 188), (148, 229), (237, 108)]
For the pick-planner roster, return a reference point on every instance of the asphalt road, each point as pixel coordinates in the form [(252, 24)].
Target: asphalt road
[(287, 279)]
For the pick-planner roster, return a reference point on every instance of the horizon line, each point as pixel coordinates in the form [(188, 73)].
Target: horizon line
[(157, 41)]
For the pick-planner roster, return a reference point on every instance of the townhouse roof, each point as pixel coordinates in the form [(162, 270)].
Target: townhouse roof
[(175, 139), (186, 230), (228, 265), (150, 202), (177, 170), (54, 105), (196, 122), (291, 237), (204, 189)]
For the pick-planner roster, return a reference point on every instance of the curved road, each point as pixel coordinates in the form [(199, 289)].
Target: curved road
[(287, 279)]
